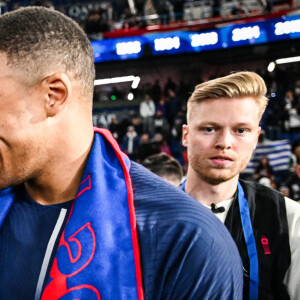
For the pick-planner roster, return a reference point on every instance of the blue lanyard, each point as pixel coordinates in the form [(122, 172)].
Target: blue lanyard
[(250, 241), (183, 185)]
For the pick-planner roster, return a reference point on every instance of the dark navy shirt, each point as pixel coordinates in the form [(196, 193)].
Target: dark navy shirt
[(24, 237), (186, 252)]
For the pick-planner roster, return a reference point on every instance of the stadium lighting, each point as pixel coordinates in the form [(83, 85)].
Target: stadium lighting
[(287, 60), (271, 66), (134, 79), (130, 96), (280, 61), (135, 82)]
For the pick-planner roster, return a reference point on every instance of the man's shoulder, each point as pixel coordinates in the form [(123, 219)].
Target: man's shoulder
[(292, 210), (182, 244), (157, 201), (153, 194), (257, 188)]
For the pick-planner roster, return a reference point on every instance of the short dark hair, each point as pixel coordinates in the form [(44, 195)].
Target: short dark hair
[(37, 40), (164, 166)]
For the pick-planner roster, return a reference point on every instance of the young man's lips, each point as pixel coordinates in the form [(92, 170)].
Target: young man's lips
[(221, 160)]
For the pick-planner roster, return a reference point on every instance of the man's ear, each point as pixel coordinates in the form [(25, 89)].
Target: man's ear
[(58, 87), (185, 131)]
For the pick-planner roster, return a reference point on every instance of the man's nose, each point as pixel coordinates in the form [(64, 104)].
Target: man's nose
[(224, 140)]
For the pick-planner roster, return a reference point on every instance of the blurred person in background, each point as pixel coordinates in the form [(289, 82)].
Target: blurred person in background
[(165, 10), (114, 128), (275, 122), (165, 167), (146, 147), (173, 106), (161, 125), (147, 112), (292, 109), (263, 169), (239, 10), (290, 186), (266, 6), (130, 142), (297, 91), (149, 12), (156, 92)]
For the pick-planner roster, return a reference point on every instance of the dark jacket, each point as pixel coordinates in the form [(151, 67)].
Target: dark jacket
[(270, 229)]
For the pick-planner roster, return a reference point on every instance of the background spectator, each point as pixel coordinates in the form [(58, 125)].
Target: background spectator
[(264, 169), (147, 112), (146, 148), (164, 166), (166, 11), (130, 143)]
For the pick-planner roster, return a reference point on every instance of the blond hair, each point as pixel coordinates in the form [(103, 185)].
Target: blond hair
[(236, 85)]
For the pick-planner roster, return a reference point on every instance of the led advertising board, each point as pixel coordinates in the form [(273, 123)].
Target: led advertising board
[(175, 42)]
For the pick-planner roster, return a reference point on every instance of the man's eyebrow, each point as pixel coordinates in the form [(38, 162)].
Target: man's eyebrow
[(242, 124), (213, 123), (206, 122)]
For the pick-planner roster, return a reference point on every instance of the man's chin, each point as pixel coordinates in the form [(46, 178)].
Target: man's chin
[(216, 179)]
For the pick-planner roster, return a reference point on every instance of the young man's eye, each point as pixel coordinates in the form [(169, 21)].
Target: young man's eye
[(241, 130), (208, 129)]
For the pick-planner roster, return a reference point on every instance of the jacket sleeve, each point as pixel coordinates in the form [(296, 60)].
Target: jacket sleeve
[(183, 263), (292, 277), (185, 251)]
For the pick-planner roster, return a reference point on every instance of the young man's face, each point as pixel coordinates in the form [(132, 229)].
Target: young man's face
[(21, 140), (220, 137)]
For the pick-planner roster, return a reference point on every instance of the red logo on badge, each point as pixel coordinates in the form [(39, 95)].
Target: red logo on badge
[(265, 244)]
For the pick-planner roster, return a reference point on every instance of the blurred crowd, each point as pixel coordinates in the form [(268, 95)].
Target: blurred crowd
[(156, 126), (98, 17)]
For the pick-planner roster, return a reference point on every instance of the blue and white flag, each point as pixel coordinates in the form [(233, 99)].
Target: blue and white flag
[(278, 153)]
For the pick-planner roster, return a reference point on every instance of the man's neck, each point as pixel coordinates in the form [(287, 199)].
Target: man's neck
[(207, 193), (60, 179)]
